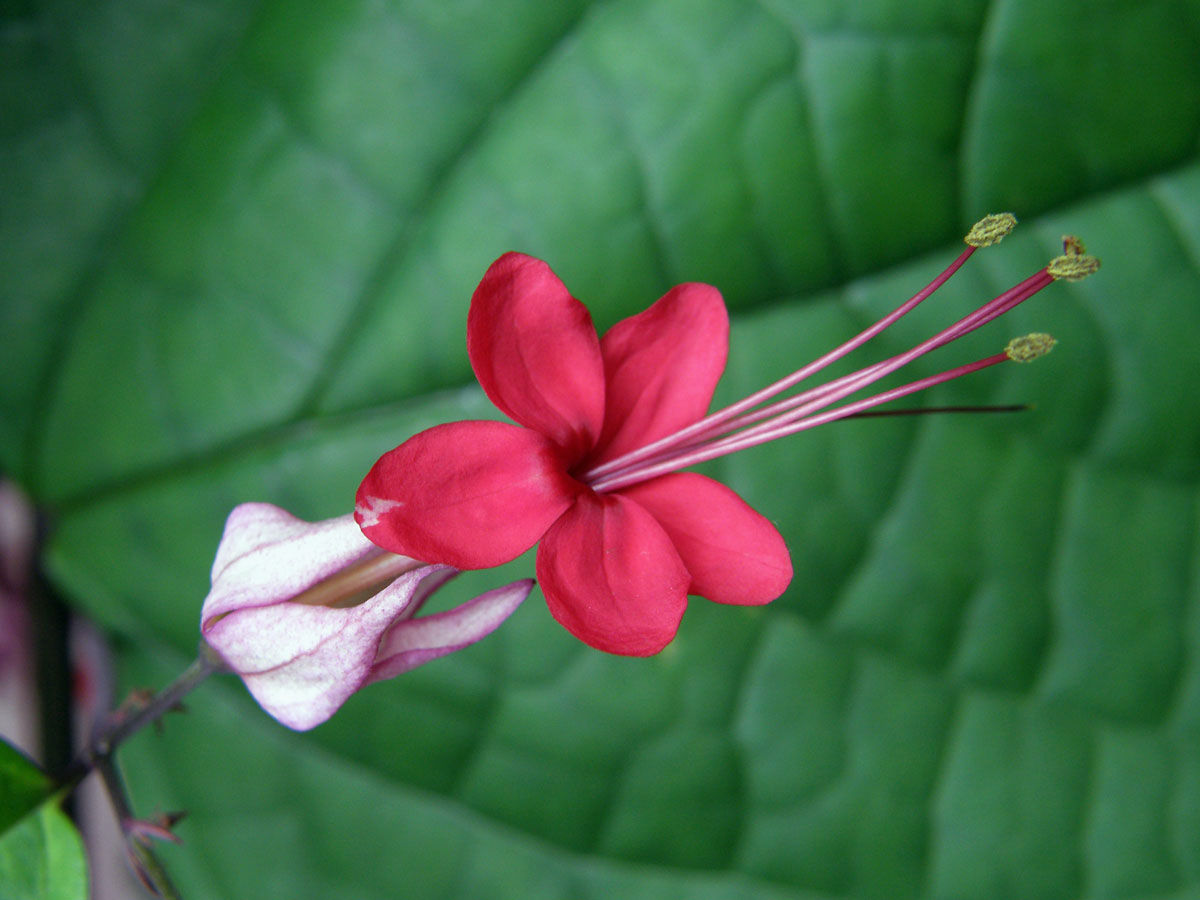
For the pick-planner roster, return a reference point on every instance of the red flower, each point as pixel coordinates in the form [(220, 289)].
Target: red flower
[(616, 566), (593, 474)]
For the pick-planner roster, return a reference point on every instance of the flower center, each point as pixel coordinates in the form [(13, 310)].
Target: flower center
[(754, 421)]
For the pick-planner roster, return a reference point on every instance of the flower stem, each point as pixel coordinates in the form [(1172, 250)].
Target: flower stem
[(146, 864), (122, 725), (98, 756)]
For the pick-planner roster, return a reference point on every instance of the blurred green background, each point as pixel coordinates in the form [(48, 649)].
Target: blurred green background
[(237, 243)]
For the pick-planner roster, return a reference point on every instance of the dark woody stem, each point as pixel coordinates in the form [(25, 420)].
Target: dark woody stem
[(122, 725), (148, 867), (99, 753)]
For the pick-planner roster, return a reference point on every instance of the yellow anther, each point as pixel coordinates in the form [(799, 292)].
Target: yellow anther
[(991, 229), (1072, 266), (1030, 347)]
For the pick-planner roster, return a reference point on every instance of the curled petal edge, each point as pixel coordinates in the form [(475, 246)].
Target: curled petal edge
[(417, 641)]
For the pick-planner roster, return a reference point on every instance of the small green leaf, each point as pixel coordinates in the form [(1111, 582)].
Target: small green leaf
[(22, 786), (42, 859)]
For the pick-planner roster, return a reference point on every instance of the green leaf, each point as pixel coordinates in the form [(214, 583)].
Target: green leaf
[(23, 786), (42, 859), (238, 243)]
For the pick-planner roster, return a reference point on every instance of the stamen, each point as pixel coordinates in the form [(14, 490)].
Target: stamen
[(753, 421), (1072, 266), (991, 229), (987, 231), (349, 586), (1078, 266), (784, 414), (809, 401), (785, 426), (1030, 347)]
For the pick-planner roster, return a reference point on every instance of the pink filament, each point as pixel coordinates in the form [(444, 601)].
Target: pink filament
[(716, 422), (728, 430)]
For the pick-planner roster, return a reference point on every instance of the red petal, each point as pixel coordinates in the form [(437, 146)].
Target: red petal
[(469, 494), (611, 576), (535, 352), (734, 554), (661, 367)]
